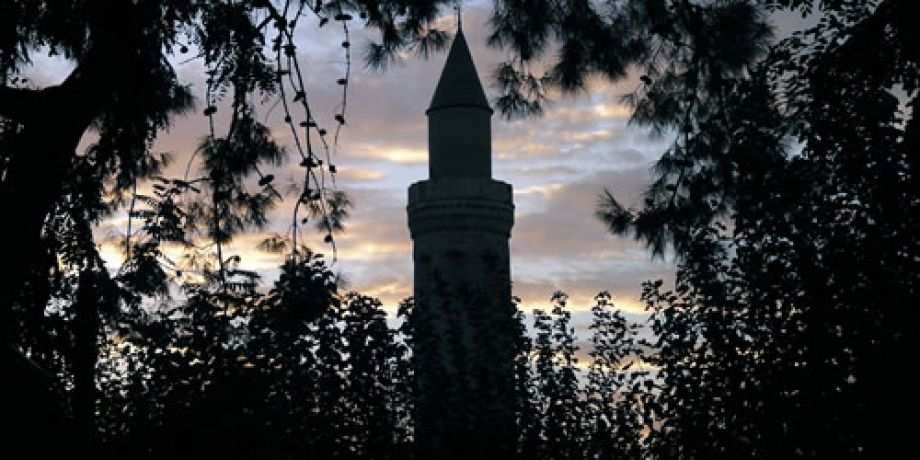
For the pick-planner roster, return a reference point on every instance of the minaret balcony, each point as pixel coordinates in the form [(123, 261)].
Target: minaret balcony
[(460, 204)]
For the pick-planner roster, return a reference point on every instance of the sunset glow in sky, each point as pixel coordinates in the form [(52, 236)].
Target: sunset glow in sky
[(559, 164)]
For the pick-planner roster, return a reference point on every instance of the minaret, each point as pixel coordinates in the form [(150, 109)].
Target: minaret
[(460, 220)]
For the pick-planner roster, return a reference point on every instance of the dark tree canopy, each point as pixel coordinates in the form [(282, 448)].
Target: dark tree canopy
[(123, 87), (58, 302), (789, 198)]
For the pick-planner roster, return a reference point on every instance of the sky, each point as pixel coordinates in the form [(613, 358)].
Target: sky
[(558, 164)]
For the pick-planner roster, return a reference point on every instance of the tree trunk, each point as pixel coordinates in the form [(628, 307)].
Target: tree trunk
[(32, 185), (86, 355), (53, 121)]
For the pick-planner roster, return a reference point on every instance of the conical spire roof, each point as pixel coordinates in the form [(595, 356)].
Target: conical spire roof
[(459, 85)]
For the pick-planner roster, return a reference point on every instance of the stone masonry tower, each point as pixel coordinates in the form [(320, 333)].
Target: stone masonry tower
[(460, 220)]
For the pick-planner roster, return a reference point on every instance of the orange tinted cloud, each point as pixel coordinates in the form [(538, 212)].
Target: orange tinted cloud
[(558, 164), (390, 153), (359, 174)]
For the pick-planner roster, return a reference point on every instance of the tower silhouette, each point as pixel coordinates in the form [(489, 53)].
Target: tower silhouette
[(460, 220)]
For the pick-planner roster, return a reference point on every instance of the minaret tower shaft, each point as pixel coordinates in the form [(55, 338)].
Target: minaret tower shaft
[(460, 220)]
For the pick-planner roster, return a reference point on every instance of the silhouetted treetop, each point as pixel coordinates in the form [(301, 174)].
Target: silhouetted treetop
[(123, 87)]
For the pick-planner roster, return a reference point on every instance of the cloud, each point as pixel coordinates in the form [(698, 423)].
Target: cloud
[(390, 291), (565, 225), (509, 148), (618, 111), (573, 111), (587, 136), (585, 279), (558, 164), (544, 171), (543, 190), (352, 174), (561, 246), (390, 153)]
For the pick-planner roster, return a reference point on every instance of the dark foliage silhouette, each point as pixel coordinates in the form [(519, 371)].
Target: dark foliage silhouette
[(125, 89), (58, 303), (789, 198), (274, 376)]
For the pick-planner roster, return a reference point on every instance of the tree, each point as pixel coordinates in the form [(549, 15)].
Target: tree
[(565, 412), (248, 48), (124, 89), (789, 196), (276, 377), (614, 393), (558, 426)]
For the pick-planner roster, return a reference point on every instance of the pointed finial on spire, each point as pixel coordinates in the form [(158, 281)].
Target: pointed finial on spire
[(459, 9)]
